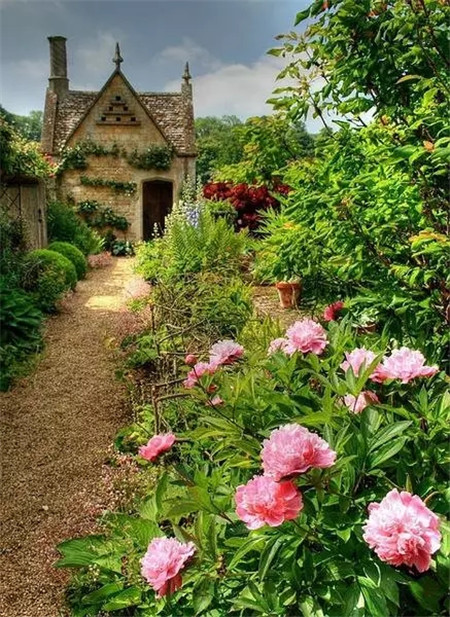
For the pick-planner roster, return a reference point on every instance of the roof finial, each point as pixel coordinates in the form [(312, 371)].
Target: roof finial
[(186, 74), (117, 57)]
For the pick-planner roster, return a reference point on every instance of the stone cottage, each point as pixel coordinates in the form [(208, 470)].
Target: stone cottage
[(128, 151)]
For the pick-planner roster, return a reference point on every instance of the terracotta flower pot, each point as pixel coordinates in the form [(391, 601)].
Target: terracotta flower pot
[(289, 293)]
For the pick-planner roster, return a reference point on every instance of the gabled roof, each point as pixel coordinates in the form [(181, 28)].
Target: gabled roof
[(171, 112)]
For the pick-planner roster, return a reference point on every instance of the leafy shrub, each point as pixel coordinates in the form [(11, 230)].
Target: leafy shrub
[(73, 254), (208, 245), (20, 335), (248, 201), (19, 156), (64, 225), (47, 276), (122, 248)]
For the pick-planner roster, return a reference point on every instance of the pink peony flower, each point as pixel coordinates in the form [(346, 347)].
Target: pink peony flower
[(157, 445), (225, 352), (263, 501), (215, 401), (331, 311), (278, 344), (292, 449), (357, 404), (405, 364), (200, 369), (306, 336), (190, 359), (402, 530), (359, 359), (162, 563)]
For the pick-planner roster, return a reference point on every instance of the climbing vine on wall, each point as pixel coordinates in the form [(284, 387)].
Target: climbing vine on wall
[(153, 157), (126, 187), (100, 217), (76, 157)]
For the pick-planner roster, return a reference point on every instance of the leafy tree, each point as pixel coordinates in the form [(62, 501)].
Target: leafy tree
[(218, 143), (270, 143), (29, 127)]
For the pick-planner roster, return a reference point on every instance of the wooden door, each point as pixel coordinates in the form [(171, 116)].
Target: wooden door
[(157, 199)]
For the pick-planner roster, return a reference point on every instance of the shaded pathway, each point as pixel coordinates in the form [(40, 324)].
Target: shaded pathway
[(55, 428)]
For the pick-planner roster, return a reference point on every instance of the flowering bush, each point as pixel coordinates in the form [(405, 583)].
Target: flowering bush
[(284, 485), (249, 201)]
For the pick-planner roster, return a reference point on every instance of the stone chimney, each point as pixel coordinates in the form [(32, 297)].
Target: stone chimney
[(58, 82), (186, 86)]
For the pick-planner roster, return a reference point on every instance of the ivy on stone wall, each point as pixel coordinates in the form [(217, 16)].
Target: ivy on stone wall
[(153, 157), (98, 216), (126, 187), (76, 157)]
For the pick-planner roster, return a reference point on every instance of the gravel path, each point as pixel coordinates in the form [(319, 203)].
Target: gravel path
[(56, 426)]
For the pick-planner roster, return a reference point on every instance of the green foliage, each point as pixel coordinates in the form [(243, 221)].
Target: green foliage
[(153, 157), (122, 247), (29, 127), (76, 157), (373, 205), (270, 143), (218, 143), (96, 215), (20, 336), (73, 254), (211, 245), (126, 187), (47, 276), (65, 226), (20, 157)]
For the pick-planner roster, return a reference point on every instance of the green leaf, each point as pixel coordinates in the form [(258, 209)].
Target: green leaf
[(100, 595), (387, 434), (203, 594), (301, 16), (387, 452), (375, 601), (428, 593), (407, 78), (267, 556), (79, 551), (186, 506), (128, 597), (250, 544)]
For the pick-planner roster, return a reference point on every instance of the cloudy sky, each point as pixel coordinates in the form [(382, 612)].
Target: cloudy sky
[(225, 42)]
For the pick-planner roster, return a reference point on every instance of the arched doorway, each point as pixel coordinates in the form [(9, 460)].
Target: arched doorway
[(157, 199)]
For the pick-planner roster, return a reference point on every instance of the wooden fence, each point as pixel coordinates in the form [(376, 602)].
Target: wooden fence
[(23, 197)]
